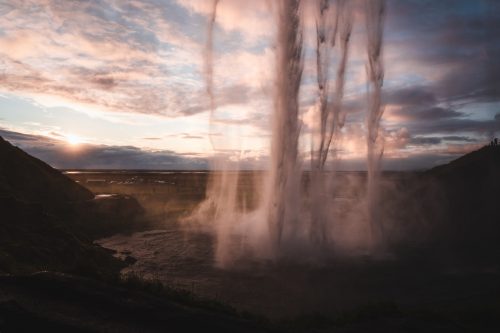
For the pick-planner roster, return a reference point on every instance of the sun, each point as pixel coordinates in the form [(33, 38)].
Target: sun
[(73, 140)]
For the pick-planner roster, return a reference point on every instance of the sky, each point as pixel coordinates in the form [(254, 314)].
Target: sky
[(120, 84)]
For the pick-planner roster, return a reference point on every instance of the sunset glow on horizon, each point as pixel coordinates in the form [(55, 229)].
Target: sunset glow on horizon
[(73, 140)]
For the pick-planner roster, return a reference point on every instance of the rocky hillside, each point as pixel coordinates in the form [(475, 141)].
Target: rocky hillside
[(470, 201), (29, 179)]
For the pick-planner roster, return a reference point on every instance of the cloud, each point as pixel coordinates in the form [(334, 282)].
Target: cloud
[(114, 56), (417, 95), (458, 138), (104, 82), (422, 140), (21, 138), (478, 127), (251, 19), (452, 43), (88, 156), (189, 136), (441, 62), (427, 114), (58, 154)]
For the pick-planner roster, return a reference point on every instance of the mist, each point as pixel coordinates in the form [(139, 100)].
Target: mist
[(301, 210)]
